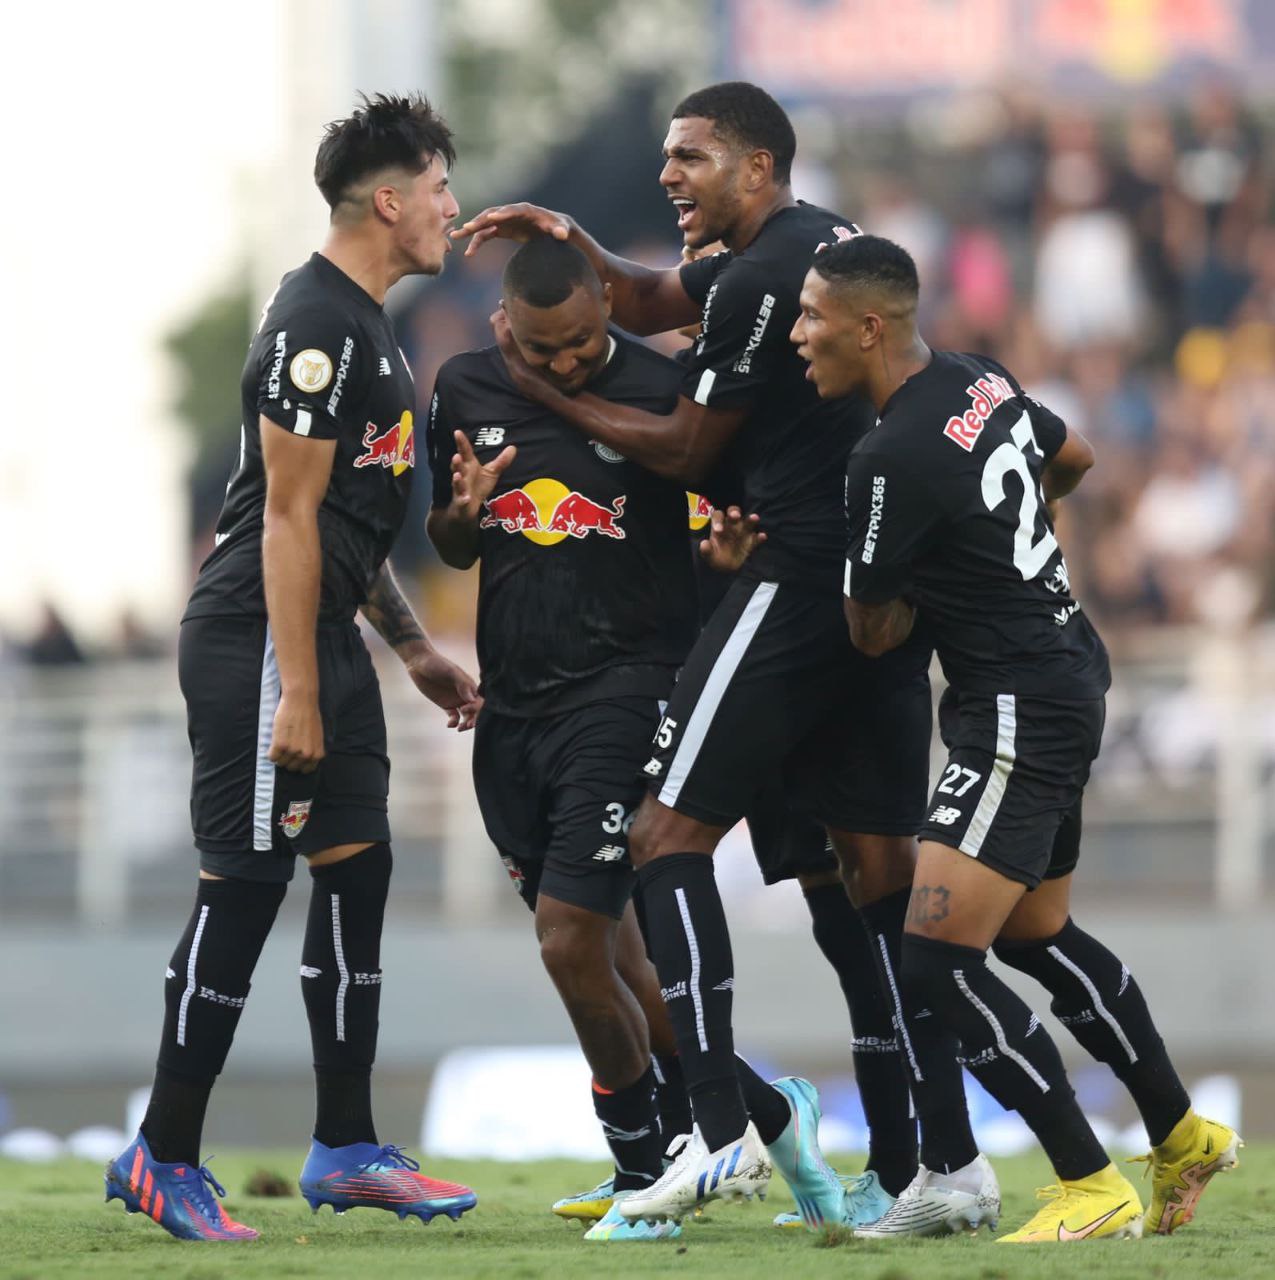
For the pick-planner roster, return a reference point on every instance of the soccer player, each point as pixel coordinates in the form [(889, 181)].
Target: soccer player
[(773, 694), (284, 711), (950, 524)]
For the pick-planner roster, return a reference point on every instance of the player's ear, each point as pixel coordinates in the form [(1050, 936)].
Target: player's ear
[(388, 203), (871, 328), (606, 298), (761, 170)]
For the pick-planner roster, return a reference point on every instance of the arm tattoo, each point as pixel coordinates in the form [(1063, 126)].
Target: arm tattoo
[(389, 613), (928, 904)]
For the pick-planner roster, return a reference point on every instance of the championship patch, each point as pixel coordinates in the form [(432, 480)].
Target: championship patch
[(294, 819), (310, 370)]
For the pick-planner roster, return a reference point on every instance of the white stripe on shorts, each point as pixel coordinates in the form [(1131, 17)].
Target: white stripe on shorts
[(714, 689), (263, 789), (704, 388), (994, 792)]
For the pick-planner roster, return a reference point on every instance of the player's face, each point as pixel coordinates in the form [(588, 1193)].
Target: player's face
[(701, 175), (827, 336), (428, 211), (568, 343)]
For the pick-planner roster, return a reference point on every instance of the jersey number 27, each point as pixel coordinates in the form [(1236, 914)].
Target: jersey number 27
[(1029, 557)]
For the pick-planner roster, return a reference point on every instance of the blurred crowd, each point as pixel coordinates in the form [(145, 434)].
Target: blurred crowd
[(1123, 268)]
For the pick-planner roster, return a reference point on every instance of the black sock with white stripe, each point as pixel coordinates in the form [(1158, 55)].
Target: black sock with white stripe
[(207, 984), (1098, 1001), (631, 1125), (843, 937), (341, 984), (1005, 1047), (928, 1047), (671, 1097), (690, 947)]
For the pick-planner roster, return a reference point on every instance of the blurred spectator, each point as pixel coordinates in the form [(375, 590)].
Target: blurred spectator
[(53, 644)]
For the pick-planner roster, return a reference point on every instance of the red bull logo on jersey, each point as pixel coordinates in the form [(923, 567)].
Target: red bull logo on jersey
[(699, 511), (546, 511), (394, 447)]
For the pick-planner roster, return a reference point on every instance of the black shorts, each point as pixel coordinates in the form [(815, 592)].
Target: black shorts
[(558, 795), (251, 818), (787, 844), (1011, 792), (774, 695)]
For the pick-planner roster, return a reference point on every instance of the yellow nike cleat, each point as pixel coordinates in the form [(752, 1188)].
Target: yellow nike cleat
[(588, 1206), (1103, 1205), (1181, 1167)]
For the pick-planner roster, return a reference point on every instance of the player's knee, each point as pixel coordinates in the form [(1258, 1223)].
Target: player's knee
[(578, 964)]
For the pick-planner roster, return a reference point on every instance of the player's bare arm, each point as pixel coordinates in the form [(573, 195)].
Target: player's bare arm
[(680, 446), (1067, 467), (443, 682), (454, 529), (644, 300), (732, 537), (297, 473), (877, 628)]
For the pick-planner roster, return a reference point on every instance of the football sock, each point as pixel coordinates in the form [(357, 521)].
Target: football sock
[(208, 980), (1005, 1048), (929, 1048), (630, 1121), (1097, 1000), (690, 945), (767, 1108), (842, 936), (670, 1097), (341, 985)]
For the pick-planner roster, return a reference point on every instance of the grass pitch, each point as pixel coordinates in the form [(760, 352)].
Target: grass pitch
[(53, 1224)]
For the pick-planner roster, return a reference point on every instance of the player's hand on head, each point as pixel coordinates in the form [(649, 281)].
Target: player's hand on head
[(472, 481), (732, 538), (448, 686), (512, 222), (297, 739)]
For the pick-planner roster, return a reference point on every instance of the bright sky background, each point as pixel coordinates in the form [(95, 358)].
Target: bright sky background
[(132, 132)]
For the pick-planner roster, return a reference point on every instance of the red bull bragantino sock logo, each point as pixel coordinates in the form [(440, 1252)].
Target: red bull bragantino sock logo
[(394, 447), (546, 511)]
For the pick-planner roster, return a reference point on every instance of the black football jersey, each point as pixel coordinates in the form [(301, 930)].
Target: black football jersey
[(944, 506), (585, 586), (324, 363), (792, 447)]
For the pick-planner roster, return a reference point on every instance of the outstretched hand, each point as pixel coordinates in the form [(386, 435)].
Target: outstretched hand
[(518, 222), (472, 481), (732, 538)]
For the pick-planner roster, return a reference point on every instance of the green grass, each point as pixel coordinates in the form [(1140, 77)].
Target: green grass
[(53, 1224)]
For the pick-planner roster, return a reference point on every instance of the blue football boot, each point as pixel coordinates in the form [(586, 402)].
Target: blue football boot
[(363, 1175)]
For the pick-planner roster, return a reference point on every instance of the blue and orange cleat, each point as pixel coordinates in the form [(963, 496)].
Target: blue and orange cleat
[(178, 1196), (365, 1176)]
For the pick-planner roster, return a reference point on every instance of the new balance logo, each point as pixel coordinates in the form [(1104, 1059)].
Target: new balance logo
[(168, 973), (386, 371), (945, 815), (727, 984), (487, 437), (1033, 1025), (609, 853), (652, 767), (309, 971)]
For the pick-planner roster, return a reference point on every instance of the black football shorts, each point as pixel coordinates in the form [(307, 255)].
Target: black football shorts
[(774, 695), (1011, 791), (785, 843), (251, 818), (558, 795)]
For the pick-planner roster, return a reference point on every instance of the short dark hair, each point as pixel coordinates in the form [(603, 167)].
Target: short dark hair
[(748, 117), (545, 272), (387, 131), (869, 262)]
